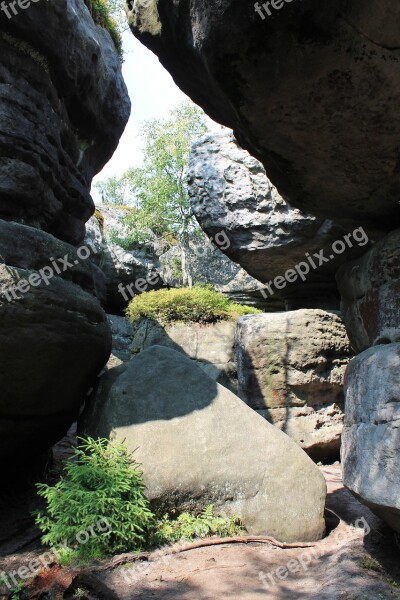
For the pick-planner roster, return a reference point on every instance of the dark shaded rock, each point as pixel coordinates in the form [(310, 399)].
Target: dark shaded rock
[(312, 91), (232, 197), (54, 340), (63, 107), (371, 436), (291, 368), (370, 289), (29, 248)]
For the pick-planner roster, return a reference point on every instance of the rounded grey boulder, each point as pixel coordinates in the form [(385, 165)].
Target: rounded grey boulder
[(198, 444)]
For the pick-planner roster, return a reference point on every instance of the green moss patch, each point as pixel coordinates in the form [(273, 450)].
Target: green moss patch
[(200, 304)]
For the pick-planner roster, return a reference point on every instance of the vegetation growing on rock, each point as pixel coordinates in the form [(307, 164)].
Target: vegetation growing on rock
[(199, 304), (101, 11), (103, 484)]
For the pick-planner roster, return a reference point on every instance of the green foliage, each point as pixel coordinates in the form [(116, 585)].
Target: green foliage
[(187, 527), (157, 190), (176, 268), (103, 13), (17, 591), (128, 241), (201, 304), (103, 482)]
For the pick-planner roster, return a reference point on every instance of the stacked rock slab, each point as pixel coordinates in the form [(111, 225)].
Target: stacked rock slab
[(291, 369), (197, 444), (63, 106), (370, 290)]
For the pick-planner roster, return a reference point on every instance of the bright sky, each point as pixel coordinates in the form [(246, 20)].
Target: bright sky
[(153, 94)]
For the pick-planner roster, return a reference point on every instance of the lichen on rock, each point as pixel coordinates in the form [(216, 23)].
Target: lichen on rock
[(144, 16)]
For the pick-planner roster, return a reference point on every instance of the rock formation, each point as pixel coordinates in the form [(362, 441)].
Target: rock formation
[(121, 267), (231, 195), (371, 440), (206, 263), (64, 106), (124, 263), (197, 444), (370, 289), (310, 91), (290, 369)]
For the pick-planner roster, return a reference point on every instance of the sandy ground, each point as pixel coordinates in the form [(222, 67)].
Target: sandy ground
[(350, 563), (353, 562)]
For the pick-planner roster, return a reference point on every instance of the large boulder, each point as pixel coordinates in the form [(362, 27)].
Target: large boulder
[(231, 196), (64, 106), (371, 438), (291, 369), (370, 289), (311, 90), (54, 340), (197, 443)]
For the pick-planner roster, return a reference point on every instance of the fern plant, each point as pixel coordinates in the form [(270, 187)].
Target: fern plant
[(188, 526), (102, 485)]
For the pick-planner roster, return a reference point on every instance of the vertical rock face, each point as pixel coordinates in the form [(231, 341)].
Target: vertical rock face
[(290, 369), (371, 440), (63, 107), (211, 345), (231, 195), (370, 289), (311, 90)]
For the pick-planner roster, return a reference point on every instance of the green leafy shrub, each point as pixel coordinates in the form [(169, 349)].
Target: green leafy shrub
[(201, 304), (101, 14), (101, 483), (187, 527)]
